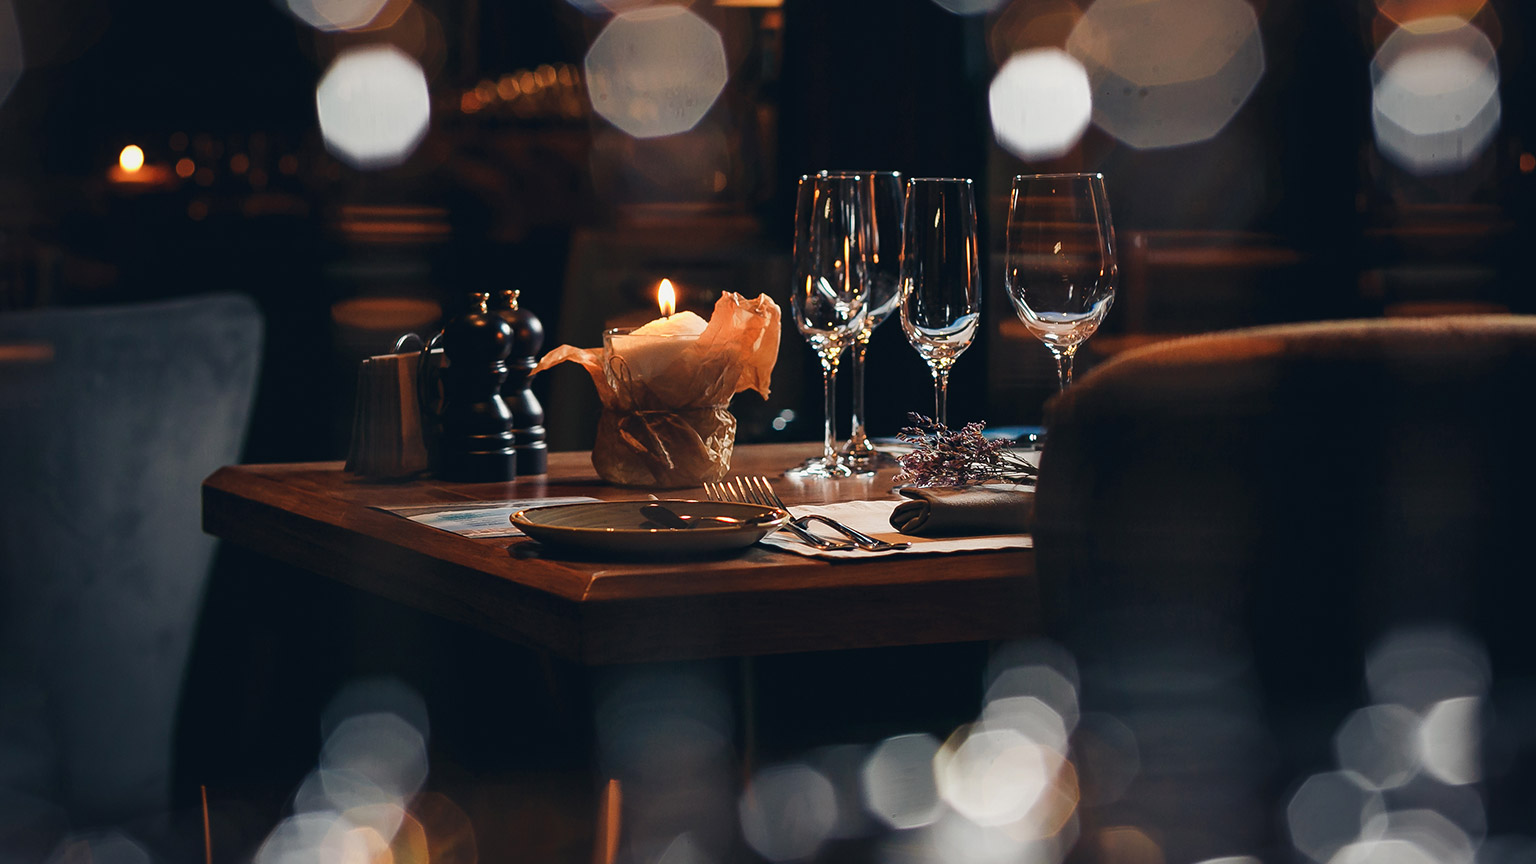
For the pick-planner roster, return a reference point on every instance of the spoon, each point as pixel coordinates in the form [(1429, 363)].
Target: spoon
[(666, 518)]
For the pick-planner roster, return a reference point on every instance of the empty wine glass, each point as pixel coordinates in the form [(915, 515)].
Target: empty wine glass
[(828, 296), (940, 276), (1060, 268), (883, 268), (887, 193)]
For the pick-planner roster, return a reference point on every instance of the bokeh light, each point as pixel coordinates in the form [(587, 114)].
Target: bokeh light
[(1427, 830), (787, 812), (450, 835), (303, 838), (1128, 844), (898, 781), (1168, 72), (373, 106), (382, 749), (1028, 716), (364, 801), (656, 71), (1108, 757), (1379, 745), (953, 838), (1409, 11), (1328, 812), (1435, 96), (1040, 103), (1450, 741), (1023, 25), (1384, 852), (12, 59), (991, 776), (1417, 667), (338, 14), (1047, 683)]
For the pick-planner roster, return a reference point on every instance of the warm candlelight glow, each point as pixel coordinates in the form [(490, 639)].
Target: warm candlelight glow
[(131, 159), (666, 298)]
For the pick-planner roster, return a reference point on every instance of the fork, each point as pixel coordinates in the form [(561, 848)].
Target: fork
[(762, 489), (724, 491)]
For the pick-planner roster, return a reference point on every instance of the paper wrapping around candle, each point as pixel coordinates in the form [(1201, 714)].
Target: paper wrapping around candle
[(670, 427)]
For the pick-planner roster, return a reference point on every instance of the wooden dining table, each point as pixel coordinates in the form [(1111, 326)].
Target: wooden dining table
[(597, 609)]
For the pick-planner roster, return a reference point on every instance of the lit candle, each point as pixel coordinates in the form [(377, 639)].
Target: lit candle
[(132, 170), (646, 351)]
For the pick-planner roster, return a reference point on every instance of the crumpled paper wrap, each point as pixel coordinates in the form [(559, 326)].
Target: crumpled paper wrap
[(675, 429)]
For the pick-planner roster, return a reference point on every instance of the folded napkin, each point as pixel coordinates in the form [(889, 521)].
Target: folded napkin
[(951, 511), (874, 519)]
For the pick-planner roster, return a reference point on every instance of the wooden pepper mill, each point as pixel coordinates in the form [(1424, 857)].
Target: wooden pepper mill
[(528, 436), (476, 442)]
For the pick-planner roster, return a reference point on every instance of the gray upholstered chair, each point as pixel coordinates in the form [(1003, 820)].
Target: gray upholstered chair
[(110, 418), (1227, 523)]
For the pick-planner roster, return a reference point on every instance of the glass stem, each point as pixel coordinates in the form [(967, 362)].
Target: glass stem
[(941, 394), (1064, 366), (858, 440), (829, 388)]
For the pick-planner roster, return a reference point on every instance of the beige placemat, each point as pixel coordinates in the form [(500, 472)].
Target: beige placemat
[(874, 519)]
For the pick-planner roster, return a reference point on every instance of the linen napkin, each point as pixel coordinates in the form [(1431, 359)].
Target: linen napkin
[(874, 519), (951, 511)]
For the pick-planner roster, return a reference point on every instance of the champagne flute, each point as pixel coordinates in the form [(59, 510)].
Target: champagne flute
[(829, 290), (940, 276), (887, 193), (1060, 268)]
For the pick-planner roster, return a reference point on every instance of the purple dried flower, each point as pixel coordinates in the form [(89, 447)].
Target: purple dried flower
[(941, 456)]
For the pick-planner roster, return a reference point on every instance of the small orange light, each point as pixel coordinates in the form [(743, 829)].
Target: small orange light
[(239, 163), (185, 168), (131, 159), (1527, 163), (469, 103), (666, 298)]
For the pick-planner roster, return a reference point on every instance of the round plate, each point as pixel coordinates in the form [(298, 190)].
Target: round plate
[(618, 526)]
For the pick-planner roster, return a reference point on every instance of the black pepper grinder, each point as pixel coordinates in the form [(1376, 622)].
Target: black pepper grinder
[(476, 441), (528, 435)]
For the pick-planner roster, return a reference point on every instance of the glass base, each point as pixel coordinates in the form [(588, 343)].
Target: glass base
[(866, 461), (817, 466)]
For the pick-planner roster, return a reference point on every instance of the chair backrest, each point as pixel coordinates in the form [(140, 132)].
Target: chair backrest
[(1255, 509), (110, 419), (1381, 459)]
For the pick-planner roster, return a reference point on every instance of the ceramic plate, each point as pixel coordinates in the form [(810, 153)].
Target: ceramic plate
[(620, 526)]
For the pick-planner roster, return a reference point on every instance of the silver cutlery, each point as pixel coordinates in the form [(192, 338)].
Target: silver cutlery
[(758, 490), (725, 491)]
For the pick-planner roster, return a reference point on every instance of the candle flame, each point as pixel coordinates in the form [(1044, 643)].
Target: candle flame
[(131, 159), (666, 298)]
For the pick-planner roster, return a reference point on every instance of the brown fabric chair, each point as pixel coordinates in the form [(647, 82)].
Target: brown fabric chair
[(1274, 500)]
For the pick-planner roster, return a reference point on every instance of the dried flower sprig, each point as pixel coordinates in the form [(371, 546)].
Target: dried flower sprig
[(957, 457)]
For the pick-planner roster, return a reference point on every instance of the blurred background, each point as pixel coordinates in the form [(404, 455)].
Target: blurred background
[(357, 167)]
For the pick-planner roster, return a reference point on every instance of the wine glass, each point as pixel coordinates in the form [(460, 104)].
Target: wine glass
[(828, 296), (1060, 267), (887, 193), (940, 276)]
